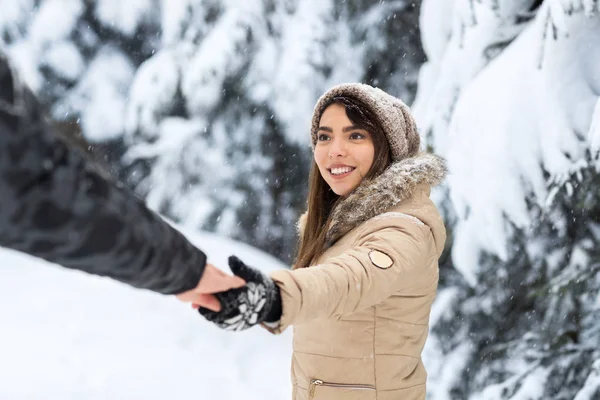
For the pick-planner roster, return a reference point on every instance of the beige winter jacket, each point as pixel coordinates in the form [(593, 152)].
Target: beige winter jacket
[(361, 314)]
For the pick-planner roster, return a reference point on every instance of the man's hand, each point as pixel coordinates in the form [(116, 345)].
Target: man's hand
[(259, 300), (213, 281)]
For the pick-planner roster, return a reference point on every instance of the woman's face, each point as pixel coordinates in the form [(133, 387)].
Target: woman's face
[(344, 153)]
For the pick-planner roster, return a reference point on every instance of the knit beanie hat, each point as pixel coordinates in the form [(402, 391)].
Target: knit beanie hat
[(393, 116)]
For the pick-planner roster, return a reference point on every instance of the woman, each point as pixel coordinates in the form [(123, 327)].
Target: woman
[(361, 290)]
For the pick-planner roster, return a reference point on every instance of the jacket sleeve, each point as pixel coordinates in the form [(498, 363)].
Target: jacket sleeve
[(356, 280), (55, 205)]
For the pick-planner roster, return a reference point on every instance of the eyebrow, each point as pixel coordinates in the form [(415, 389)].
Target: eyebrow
[(345, 129)]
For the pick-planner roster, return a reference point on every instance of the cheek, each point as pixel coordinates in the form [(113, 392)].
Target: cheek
[(320, 163), (320, 158), (367, 158)]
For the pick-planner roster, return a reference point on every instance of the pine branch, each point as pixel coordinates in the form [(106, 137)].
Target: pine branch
[(562, 282)]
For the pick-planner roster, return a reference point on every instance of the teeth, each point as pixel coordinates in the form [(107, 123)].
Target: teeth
[(340, 171)]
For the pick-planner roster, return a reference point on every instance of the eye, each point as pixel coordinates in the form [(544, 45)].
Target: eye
[(322, 137), (356, 135)]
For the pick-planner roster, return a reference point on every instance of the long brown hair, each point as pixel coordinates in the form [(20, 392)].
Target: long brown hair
[(321, 199)]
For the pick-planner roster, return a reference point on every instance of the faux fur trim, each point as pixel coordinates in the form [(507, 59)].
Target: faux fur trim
[(375, 197)]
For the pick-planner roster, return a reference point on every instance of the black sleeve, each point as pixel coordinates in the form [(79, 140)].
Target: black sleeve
[(54, 204)]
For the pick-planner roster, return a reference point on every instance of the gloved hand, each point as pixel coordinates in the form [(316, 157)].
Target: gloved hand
[(256, 302)]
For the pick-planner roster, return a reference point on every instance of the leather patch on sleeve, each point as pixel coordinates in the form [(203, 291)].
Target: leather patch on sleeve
[(380, 260)]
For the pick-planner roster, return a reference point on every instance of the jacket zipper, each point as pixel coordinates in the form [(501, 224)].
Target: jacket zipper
[(317, 382)]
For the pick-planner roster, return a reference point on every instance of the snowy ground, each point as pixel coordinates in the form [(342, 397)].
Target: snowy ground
[(68, 335)]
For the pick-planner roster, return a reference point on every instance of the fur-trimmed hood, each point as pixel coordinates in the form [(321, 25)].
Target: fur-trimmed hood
[(397, 183)]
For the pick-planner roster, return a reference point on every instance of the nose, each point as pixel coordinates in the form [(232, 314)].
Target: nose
[(337, 148)]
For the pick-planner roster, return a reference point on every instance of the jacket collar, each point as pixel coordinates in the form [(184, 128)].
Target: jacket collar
[(397, 183)]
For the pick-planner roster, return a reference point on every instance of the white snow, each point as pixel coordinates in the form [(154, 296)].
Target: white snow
[(500, 122), (50, 25), (313, 41), (440, 372), (42, 35), (594, 134), (304, 35), (444, 301), (436, 27), (173, 18), (220, 55), (459, 51), (101, 96), (124, 16), (152, 93), (531, 387), (70, 335), (591, 388), (174, 135), (25, 59), (13, 15), (64, 58), (54, 21), (35, 30), (504, 112), (449, 373)]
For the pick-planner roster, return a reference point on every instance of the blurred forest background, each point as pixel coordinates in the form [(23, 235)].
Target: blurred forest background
[(202, 107)]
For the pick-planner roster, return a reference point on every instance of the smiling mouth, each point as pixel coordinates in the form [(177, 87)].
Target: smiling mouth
[(341, 171)]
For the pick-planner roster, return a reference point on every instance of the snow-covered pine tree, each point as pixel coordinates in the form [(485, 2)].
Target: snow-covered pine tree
[(80, 58), (209, 101), (510, 96), (231, 92)]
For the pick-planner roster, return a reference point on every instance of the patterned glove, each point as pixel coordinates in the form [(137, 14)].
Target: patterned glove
[(256, 302)]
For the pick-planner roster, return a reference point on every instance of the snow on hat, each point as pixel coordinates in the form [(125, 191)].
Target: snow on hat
[(393, 116)]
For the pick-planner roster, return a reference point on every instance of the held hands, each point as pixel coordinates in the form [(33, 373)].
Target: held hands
[(259, 300), (213, 281)]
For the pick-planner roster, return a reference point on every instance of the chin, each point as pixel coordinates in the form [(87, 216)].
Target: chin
[(342, 191)]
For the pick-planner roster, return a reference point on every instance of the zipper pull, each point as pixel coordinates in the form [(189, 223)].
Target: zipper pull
[(313, 386)]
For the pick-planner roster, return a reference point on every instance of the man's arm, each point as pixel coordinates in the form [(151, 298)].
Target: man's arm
[(55, 205)]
